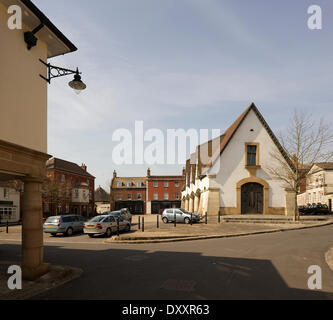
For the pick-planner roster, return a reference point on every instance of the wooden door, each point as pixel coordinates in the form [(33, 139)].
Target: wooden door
[(252, 198)]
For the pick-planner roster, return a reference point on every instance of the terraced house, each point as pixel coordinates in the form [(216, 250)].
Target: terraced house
[(69, 189), (146, 195), (231, 174)]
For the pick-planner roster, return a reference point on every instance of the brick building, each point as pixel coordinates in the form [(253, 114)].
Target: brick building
[(128, 192), (164, 192), (69, 189), (146, 195)]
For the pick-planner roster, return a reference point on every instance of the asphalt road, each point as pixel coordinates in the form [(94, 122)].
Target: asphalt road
[(269, 266)]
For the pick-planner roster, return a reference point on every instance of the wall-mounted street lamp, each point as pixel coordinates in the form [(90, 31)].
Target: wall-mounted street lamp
[(56, 72)]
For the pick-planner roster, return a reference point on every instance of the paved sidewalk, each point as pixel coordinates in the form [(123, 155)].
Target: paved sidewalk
[(213, 229), (57, 276)]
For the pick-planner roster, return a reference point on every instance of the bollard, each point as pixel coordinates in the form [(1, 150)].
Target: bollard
[(139, 223), (175, 222), (143, 224), (7, 227), (206, 218), (191, 217), (219, 218), (158, 221), (118, 227)]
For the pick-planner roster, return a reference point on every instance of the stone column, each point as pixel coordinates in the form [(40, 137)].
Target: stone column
[(196, 203), (186, 204), (191, 204), (32, 231)]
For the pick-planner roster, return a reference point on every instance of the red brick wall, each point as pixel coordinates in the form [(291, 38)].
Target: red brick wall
[(160, 190)]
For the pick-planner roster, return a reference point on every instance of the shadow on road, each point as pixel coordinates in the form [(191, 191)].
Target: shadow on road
[(141, 274)]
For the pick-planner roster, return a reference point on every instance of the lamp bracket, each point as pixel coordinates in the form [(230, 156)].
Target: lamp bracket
[(56, 72)]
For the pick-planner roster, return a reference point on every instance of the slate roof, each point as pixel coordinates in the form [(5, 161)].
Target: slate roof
[(63, 165)]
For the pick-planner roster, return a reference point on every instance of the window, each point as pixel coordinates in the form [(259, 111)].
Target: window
[(5, 193), (314, 198), (119, 196), (119, 184), (63, 178), (129, 184), (139, 184), (67, 208), (176, 184), (155, 184), (166, 184), (129, 196), (139, 196), (177, 196), (155, 196), (166, 196), (76, 193), (251, 155)]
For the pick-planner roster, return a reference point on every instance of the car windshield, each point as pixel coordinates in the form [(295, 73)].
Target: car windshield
[(52, 220), (97, 219), (184, 211), (115, 213)]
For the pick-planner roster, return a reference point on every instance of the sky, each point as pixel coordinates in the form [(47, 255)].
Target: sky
[(182, 64)]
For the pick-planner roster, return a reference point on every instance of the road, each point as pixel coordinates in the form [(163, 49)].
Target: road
[(268, 266)]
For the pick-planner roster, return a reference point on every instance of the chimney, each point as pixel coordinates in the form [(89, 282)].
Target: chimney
[(148, 172), (84, 167), (114, 174), (184, 172)]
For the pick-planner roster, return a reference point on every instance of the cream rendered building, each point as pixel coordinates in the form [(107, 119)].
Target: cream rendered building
[(233, 177), (23, 120), (319, 185)]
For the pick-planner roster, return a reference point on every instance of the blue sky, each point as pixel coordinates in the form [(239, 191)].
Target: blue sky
[(182, 64)]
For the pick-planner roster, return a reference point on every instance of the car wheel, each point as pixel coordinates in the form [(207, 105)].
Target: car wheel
[(165, 220), (91, 235), (187, 220), (128, 228), (108, 232), (69, 232), (53, 234)]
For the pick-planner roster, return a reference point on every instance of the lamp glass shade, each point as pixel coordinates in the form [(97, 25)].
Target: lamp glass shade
[(77, 84)]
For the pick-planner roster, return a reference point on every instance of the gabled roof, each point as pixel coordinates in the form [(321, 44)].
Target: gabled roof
[(322, 166), (229, 133), (63, 165), (101, 195)]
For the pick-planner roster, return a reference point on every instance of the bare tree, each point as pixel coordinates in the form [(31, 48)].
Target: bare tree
[(55, 193), (305, 141)]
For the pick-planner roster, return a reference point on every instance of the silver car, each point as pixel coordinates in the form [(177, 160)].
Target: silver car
[(105, 224), (66, 225), (181, 216)]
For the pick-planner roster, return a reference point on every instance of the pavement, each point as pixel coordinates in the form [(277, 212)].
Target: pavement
[(57, 276)]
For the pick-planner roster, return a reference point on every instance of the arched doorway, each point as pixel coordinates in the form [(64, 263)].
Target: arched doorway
[(252, 198)]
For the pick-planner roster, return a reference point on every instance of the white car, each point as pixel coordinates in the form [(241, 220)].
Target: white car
[(105, 224)]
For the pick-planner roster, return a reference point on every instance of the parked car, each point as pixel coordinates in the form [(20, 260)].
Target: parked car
[(105, 224), (315, 209), (125, 213), (67, 224), (182, 216)]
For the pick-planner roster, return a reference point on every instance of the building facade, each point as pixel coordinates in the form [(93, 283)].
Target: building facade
[(231, 174), (102, 200), (69, 189), (23, 121), (128, 192), (163, 192), (9, 204), (146, 195), (319, 185)]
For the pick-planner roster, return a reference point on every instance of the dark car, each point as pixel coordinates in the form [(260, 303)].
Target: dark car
[(124, 213), (315, 209)]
